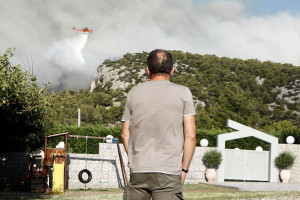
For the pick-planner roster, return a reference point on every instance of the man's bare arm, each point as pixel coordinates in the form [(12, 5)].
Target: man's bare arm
[(189, 142), (125, 135)]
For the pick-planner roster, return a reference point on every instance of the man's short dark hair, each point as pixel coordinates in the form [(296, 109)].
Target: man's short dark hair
[(160, 61)]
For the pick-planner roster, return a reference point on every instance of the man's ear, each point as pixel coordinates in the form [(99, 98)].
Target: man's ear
[(172, 71)]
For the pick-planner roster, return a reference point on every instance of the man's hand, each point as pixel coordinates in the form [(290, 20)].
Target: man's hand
[(183, 174)]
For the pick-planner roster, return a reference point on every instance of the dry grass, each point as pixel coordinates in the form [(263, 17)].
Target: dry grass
[(191, 192)]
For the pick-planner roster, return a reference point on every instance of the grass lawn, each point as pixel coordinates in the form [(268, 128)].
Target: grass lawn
[(191, 192)]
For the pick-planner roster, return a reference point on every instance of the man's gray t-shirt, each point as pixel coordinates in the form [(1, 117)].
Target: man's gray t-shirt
[(155, 110)]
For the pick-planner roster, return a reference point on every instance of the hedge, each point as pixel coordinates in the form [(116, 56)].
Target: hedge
[(80, 146)]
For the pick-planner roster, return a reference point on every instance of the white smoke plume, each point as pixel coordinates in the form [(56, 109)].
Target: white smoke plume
[(42, 31), (67, 63)]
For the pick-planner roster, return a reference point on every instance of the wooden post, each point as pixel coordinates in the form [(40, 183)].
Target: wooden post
[(66, 159), (45, 168), (79, 117), (122, 165)]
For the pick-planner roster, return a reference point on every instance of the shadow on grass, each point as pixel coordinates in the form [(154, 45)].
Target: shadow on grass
[(23, 195)]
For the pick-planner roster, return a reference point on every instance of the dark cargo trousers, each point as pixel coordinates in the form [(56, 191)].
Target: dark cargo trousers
[(143, 186)]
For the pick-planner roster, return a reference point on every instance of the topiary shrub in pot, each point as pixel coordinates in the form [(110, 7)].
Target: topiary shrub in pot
[(284, 161), (211, 160)]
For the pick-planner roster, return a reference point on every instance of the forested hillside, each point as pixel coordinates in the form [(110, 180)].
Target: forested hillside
[(251, 92), (263, 95)]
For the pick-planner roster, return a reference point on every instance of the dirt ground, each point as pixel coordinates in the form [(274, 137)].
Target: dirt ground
[(191, 192)]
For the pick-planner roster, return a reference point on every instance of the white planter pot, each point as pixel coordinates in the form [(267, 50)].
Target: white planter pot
[(210, 174), (285, 175)]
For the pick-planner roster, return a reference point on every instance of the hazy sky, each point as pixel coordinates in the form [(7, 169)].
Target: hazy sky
[(41, 31)]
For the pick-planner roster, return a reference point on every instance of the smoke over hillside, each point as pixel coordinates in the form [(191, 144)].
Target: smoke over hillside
[(66, 61), (42, 31)]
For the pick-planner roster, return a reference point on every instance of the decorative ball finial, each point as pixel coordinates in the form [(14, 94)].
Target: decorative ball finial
[(290, 140), (204, 143), (259, 148)]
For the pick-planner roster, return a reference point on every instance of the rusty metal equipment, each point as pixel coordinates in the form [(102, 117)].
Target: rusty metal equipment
[(35, 176)]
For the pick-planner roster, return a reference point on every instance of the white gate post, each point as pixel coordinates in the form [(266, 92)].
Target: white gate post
[(273, 153), (221, 148)]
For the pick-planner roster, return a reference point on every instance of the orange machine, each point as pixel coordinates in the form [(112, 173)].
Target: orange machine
[(84, 30)]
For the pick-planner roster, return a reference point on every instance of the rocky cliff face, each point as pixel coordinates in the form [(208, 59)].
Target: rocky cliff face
[(120, 73), (106, 74), (290, 94)]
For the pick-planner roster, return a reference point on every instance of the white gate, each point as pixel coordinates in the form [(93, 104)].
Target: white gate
[(246, 165)]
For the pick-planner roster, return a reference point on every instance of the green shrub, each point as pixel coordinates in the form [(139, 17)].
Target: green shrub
[(285, 160), (247, 143), (212, 159)]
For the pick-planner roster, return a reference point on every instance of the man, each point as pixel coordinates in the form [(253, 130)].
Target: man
[(158, 133)]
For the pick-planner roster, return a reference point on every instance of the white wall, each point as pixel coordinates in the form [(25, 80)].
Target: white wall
[(107, 164)]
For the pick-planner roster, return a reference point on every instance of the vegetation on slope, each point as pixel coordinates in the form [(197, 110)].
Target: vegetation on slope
[(263, 95), (251, 92)]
